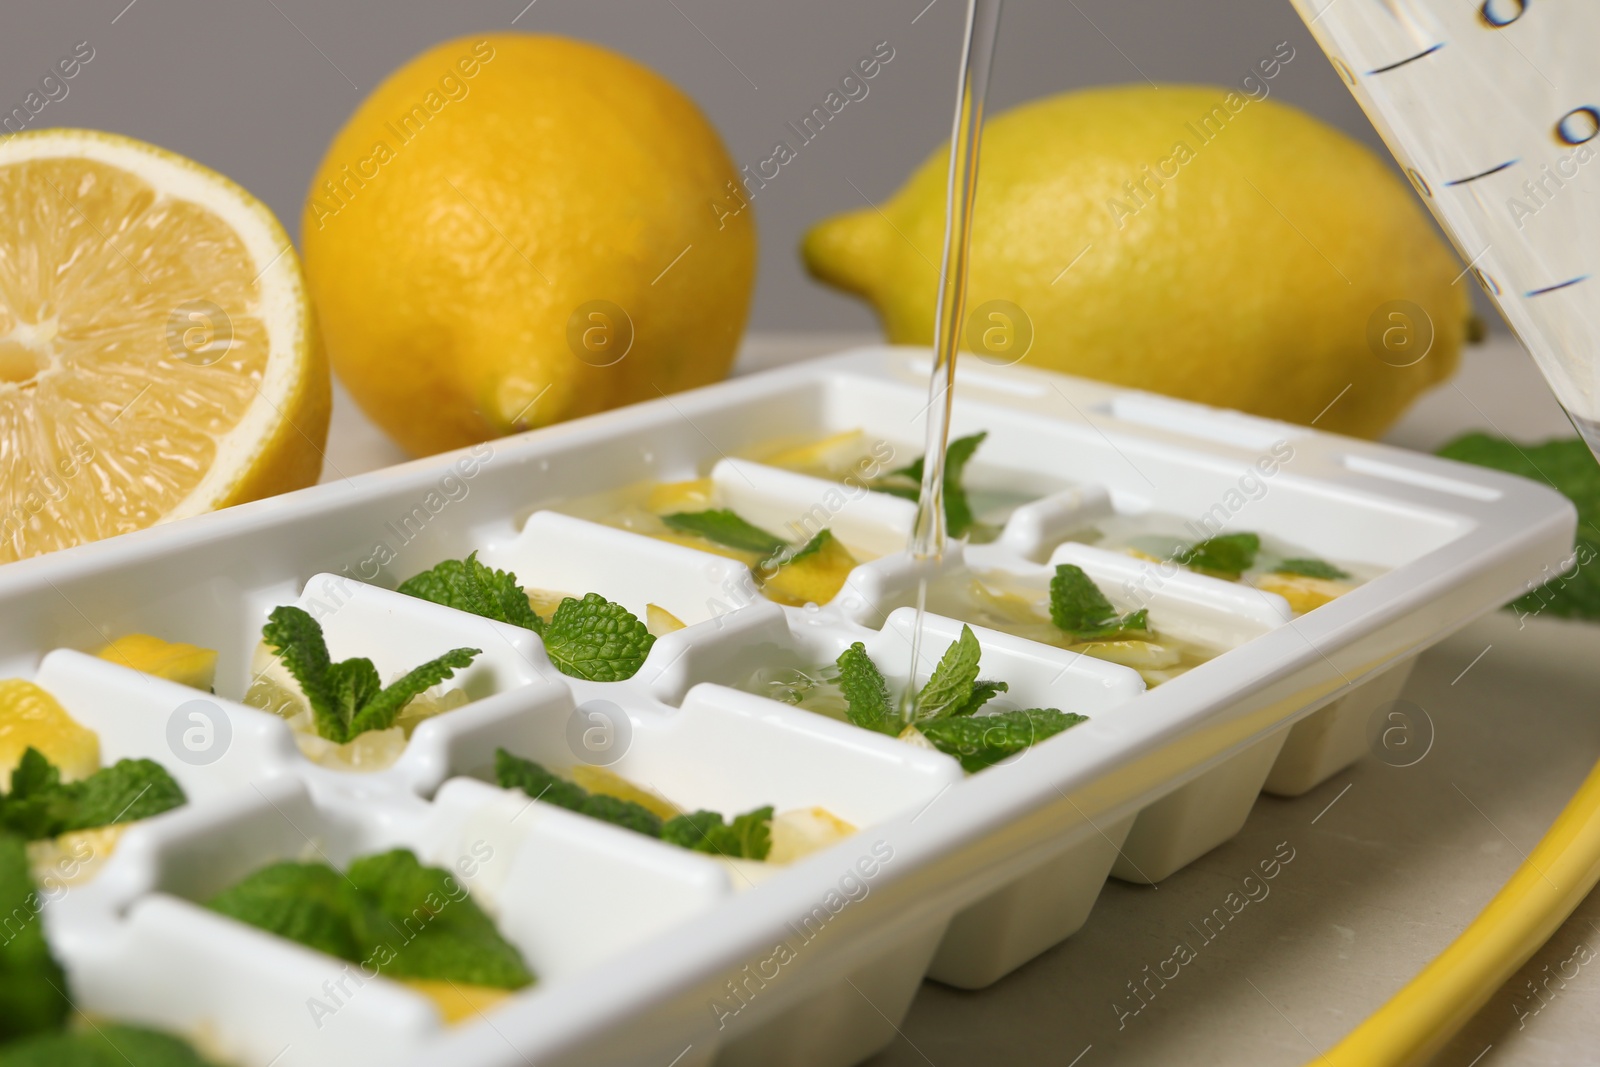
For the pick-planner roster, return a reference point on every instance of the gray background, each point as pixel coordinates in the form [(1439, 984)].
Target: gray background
[(257, 88)]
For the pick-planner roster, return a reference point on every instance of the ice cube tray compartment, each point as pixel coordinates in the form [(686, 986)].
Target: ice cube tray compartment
[(961, 877), (211, 746), (562, 554)]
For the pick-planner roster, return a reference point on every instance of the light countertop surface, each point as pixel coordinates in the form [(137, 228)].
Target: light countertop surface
[(1389, 862)]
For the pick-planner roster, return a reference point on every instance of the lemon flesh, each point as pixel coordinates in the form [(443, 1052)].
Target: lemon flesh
[(1184, 240), (157, 357), (1303, 593), (798, 833), (604, 782), (660, 622), (174, 660), (31, 718), (458, 1003), (814, 577)]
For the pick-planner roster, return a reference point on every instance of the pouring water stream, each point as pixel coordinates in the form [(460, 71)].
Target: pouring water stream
[(928, 535)]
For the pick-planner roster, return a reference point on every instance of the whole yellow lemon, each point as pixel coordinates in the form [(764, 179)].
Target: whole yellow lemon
[(1187, 240), (513, 230)]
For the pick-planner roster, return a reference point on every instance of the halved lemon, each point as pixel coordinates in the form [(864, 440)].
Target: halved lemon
[(158, 356)]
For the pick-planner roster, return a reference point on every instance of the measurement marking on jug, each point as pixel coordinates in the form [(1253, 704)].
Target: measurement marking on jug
[(1558, 285), (1332, 802), (1483, 174), (1408, 59)]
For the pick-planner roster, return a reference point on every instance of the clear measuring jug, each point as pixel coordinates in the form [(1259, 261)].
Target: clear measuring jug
[(1493, 109)]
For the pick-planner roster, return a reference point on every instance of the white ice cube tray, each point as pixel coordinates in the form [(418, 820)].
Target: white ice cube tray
[(651, 955)]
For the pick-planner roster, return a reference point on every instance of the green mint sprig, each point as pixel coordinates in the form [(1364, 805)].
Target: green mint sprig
[(1225, 556), (983, 740), (385, 907), (33, 986), (952, 682), (41, 806), (467, 585), (106, 1045), (866, 693), (597, 639), (1079, 608), (592, 638), (35, 1004), (748, 836), (1566, 465), (958, 517), (722, 526), (1311, 568), (953, 690), (347, 698), (945, 711)]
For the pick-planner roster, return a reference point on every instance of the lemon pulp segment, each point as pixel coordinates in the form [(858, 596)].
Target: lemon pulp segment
[(173, 660), (31, 718)]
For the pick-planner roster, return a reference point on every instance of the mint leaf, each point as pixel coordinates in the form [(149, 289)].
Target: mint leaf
[(980, 741), (310, 904), (34, 775), (596, 639), (950, 686), (982, 693), (389, 912), (467, 585), (725, 528), (127, 791), (912, 493), (822, 540), (40, 806), (865, 692), (436, 929), (748, 837), (296, 638), (624, 813), (958, 517), (513, 772), (33, 987), (380, 709), (1566, 465), (106, 1045), (1079, 608), (1225, 556), (1311, 568), (695, 828), (347, 698)]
